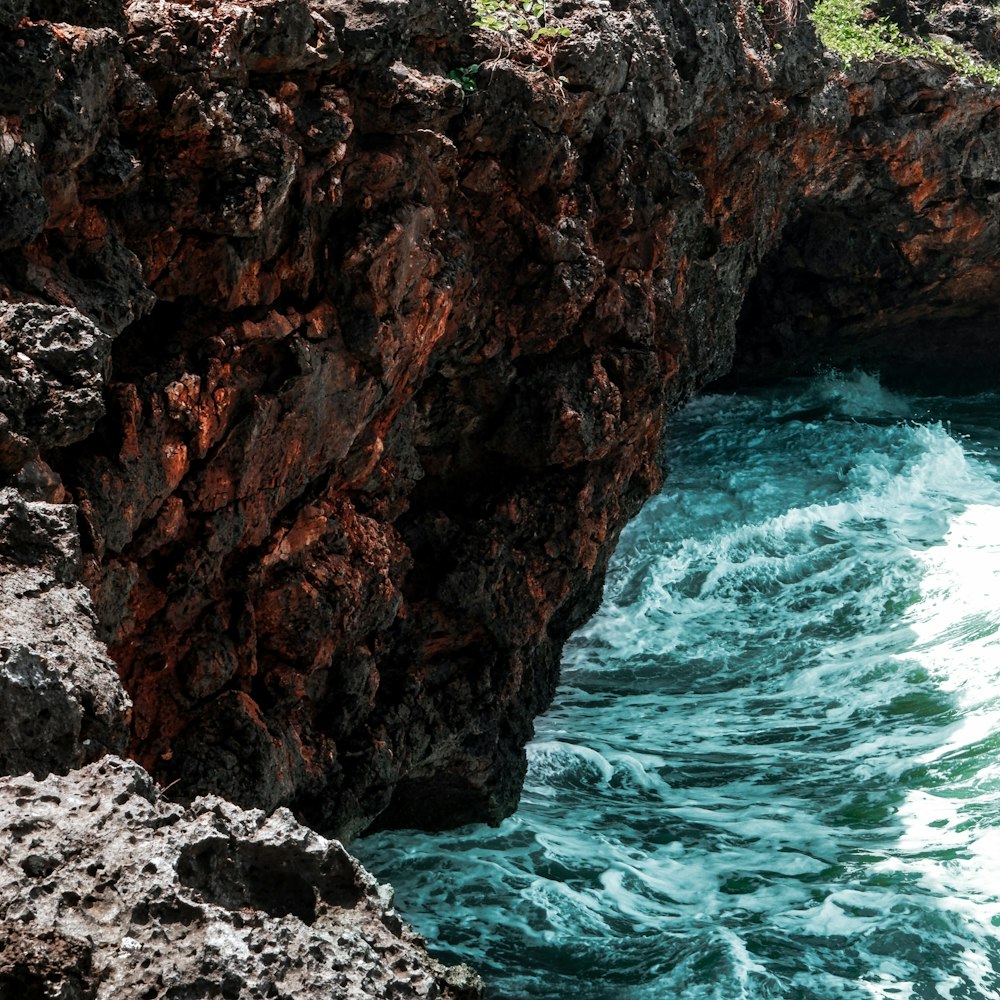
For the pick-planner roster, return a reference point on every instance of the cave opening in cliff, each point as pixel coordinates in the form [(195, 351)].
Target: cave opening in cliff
[(843, 287)]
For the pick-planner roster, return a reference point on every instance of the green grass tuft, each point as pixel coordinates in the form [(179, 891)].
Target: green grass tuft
[(850, 30)]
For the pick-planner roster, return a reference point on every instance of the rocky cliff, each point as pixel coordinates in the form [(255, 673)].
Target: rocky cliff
[(338, 339)]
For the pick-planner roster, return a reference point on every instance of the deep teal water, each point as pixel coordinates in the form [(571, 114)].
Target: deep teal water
[(773, 766)]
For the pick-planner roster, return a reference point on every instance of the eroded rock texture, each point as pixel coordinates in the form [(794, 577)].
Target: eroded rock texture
[(391, 363), (60, 699), (107, 890), (888, 256)]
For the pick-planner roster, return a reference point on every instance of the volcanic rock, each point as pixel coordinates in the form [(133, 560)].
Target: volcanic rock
[(109, 890), (60, 697), (390, 360), (338, 340)]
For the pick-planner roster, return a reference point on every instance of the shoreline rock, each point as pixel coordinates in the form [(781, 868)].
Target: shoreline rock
[(389, 362), (327, 383), (107, 889)]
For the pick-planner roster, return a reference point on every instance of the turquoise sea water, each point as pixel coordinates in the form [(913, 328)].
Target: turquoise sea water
[(773, 766)]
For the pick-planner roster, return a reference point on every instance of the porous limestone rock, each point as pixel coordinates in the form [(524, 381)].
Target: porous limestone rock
[(61, 701), (108, 890), (52, 362), (60, 698)]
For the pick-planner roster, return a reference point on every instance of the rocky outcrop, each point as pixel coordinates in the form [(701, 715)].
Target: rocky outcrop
[(887, 258), (390, 361), (386, 382), (60, 697), (337, 341), (108, 890)]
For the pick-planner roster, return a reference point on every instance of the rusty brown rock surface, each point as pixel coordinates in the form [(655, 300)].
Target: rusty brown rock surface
[(888, 255), (392, 362)]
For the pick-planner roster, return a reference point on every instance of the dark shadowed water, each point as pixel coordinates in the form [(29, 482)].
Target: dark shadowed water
[(773, 766)]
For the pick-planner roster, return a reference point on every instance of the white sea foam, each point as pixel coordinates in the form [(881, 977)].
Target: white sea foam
[(861, 394)]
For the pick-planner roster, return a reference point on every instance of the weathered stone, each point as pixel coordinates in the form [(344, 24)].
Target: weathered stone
[(393, 360), (52, 362), (351, 378), (23, 208), (60, 698), (108, 890)]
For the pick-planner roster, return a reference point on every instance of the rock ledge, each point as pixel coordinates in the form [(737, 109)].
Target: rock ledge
[(109, 890)]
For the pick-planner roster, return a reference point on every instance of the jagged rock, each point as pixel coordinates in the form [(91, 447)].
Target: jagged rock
[(60, 698), (411, 351), (384, 367), (11, 12), (52, 362), (393, 360), (974, 24), (108, 890)]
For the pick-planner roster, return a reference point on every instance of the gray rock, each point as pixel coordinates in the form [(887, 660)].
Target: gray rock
[(410, 360), (134, 896), (52, 361), (23, 208), (60, 697)]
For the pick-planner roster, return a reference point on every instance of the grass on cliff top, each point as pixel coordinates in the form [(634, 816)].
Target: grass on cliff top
[(850, 29)]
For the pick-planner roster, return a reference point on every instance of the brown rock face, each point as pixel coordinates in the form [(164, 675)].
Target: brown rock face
[(392, 361), (887, 259)]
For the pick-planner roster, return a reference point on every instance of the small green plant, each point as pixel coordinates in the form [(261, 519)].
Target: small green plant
[(963, 62), (465, 77), (527, 17), (851, 30)]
